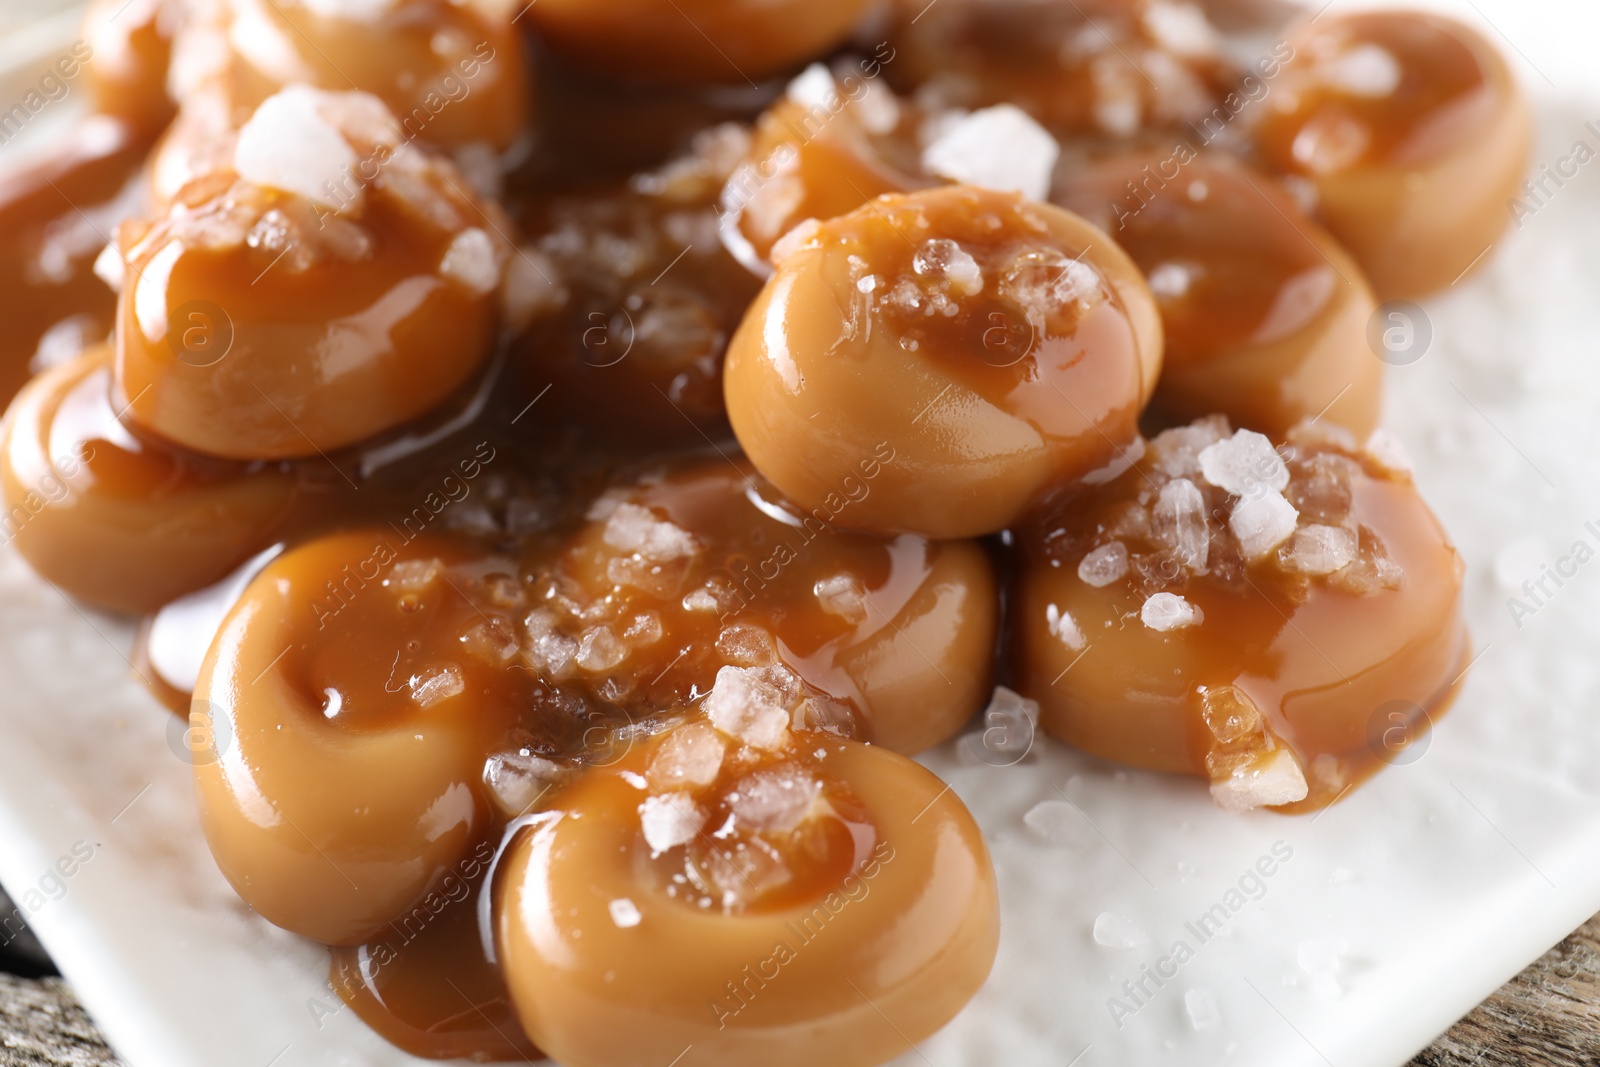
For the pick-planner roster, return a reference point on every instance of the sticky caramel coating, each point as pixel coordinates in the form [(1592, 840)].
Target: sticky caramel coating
[(47, 255), (255, 325), (887, 925), (116, 521), (1014, 361), (350, 727), (1414, 135), (131, 46), (691, 42), (454, 73), (709, 568), (638, 302), (1320, 656), (1265, 314), (818, 160), (1081, 67)]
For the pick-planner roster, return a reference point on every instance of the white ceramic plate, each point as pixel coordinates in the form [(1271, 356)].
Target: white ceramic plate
[(1392, 914)]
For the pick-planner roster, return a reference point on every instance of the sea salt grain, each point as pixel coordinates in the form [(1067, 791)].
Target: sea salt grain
[(775, 801), (1274, 779), (670, 820), (1366, 70), (1244, 465), (632, 528), (752, 704), (1318, 549), (517, 780), (1179, 520), (1118, 931), (1168, 611), (942, 257), (690, 757), (1064, 628), (471, 263), (624, 912), (1106, 564), (843, 596), (1262, 522), (288, 145), (1058, 822), (996, 148), (437, 684)]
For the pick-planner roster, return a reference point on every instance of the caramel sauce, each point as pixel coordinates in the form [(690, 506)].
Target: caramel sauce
[(427, 984)]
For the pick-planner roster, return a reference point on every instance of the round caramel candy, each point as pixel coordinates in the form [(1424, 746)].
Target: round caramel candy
[(1265, 314), (997, 349), (1106, 67), (1413, 134), (349, 708), (705, 581), (679, 42), (334, 283), (825, 905), (115, 520), (1279, 626)]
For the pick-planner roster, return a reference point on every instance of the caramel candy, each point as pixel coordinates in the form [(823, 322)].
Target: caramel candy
[(1265, 314), (998, 348), (706, 581), (117, 521), (1413, 134), (352, 695), (334, 283), (1114, 68), (689, 42), (1222, 612), (827, 904)]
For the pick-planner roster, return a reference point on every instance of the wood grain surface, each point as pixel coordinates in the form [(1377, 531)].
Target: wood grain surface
[(1548, 1016)]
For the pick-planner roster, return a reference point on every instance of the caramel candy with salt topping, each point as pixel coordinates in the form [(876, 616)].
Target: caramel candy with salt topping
[(1413, 134), (998, 349), (1219, 612), (627, 932), (1265, 314)]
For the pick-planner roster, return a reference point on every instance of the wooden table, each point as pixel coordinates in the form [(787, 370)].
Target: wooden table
[(1548, 1016)]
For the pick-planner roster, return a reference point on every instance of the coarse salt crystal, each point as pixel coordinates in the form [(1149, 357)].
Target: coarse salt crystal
[(752, 704), (996, 148), (690, 756), (670, 820), (441, 683), (1244, 464), (624, 912), (1274, 779), (1106, 564), (470, 262), (288, 145), (814, 87), (1180, 28), (1179, 518), (1118, 931), (944, 257), (1170, 281), (633, 528), (843, 596), (1059, 822), (599, 649), (1319, 549), (1169, 611), (775, 800), (517, 780), (1064, 628), (1262, 522)]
